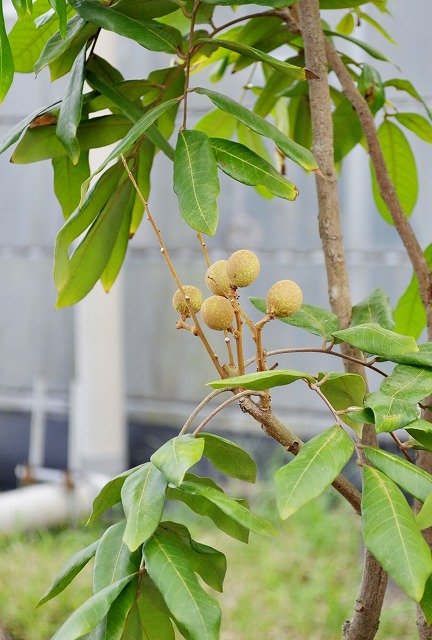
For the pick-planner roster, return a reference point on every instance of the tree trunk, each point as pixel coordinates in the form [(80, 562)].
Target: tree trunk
[(365, 621)]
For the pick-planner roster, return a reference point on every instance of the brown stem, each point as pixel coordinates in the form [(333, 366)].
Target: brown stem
[(386, 187), (274, 428), (374, 578), (188, 60)]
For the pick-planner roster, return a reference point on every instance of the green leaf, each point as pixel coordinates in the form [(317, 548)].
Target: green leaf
[(68, 179), (316, 320), (22, 7), (374, 308), (410, 478), (408, 383), (315, 467), (208, 563), (371, 87), (110, 494), (405, 85), (71, 569), (424, 516), (204, 507), (176, 456), (146, 8), (113, 560), (228, 457), (417, 124), (146, 155), (391, 534), (421, 430), (426, 601), (135, 132), (247, 167), (154, 623), (196, 614), (27, 40), (232, 508), (13, 134), (217, 123), (343, 390), (6, 59), (91, 256), (270, 92), (196, 181), (88, 616), (255, 54), (143, 498), (374, 339), (291, 149), (360, 43), (346, 25), (390, 414), (128, 107), (401, 167), (120, 621), (70, 111), (118, 253), (82, 219), (376, 25), (149, 34), (42, 143), (410, 314), (299, 117), (262, 380), (348, 131), (59, 7), (57, 48)]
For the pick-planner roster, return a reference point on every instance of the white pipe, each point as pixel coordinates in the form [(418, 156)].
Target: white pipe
[(47, 505)]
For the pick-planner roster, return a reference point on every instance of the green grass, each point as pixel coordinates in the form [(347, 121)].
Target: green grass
[(299, 586)]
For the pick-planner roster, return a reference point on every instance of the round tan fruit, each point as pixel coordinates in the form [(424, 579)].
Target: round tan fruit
[(243, 268), (284, 298), (217, 313), (195, 296), (216, 278)]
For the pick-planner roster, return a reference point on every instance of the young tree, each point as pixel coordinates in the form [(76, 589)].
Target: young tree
[(145, 568)]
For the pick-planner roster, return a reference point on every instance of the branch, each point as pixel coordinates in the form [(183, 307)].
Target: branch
[(274, 428), (386, 187)]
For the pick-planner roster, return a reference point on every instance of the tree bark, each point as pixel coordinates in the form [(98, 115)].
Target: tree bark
[(365, 621)]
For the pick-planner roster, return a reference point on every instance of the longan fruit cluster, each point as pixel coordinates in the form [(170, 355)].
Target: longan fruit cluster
[(222, 278)]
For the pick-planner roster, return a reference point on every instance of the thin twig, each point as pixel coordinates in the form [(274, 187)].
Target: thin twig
[(400, 446), (204, 248), (197, 409), (234, 398), (188, 61), (266, 14)]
